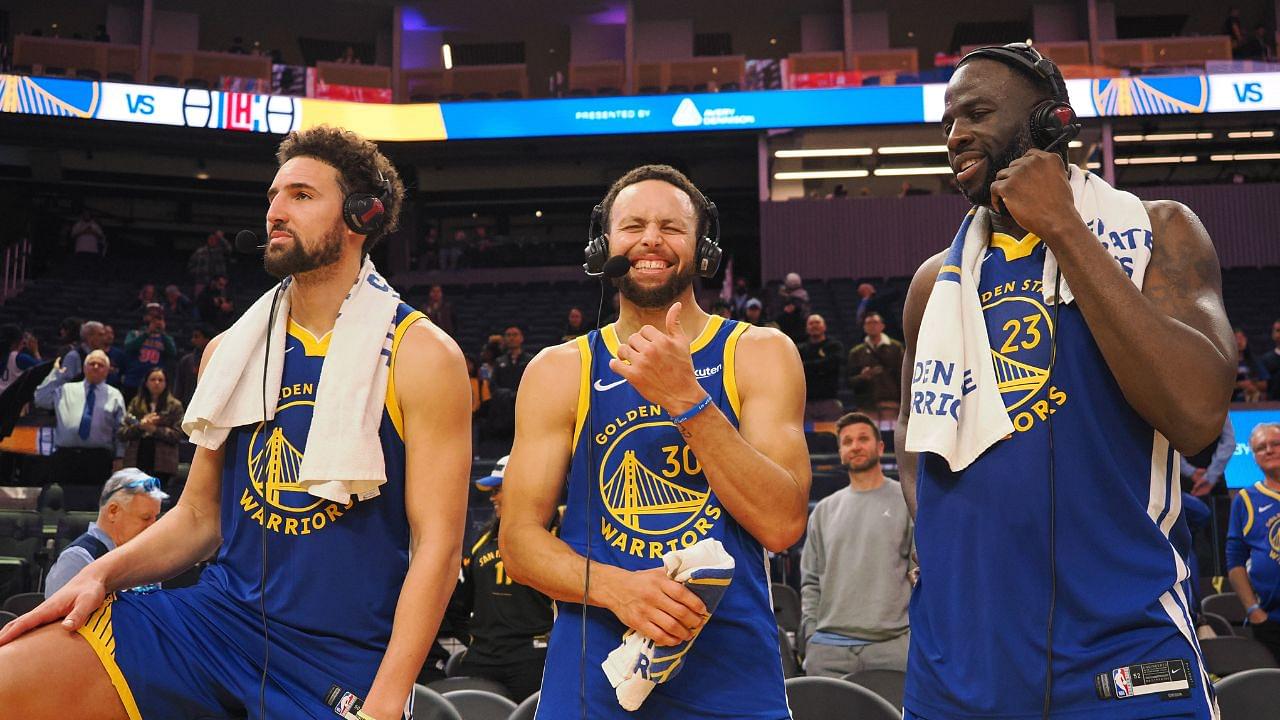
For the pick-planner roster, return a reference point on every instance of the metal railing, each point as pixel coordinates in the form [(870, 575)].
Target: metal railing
[(15, 269)]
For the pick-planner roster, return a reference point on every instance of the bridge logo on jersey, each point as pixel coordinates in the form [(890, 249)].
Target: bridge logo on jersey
[(1020, 331), (1273, 536), (654, 491), (274, 497)]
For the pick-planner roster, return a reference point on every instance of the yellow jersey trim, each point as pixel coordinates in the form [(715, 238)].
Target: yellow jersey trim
[(483, 539), (1262, 488), (98, 632), (610, 335), (393, 403), (1014, 248), (1248, 506), (949, 269), (584, 386), (730, 372), (311, 345)]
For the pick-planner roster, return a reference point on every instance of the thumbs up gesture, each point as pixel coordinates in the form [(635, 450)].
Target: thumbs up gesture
[(659, 366)]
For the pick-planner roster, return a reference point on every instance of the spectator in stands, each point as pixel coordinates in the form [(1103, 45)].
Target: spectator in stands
[(792, 289), (1271, 364), (741, 294), (753, 313), (189, 364), (909, 189), (839, 191), (870, 300), (792, 321), (93, 336), (348, 56), (480, 392), (145, 298), (87, 236), (215, 307), (115, 353), (429, 255), (145, 350), (208, 261), (721, 308), (237, 46), (130, 503), (175, 303), (68, 335), (101, 35), (1251, 378), (509, 622), (1253, 566), (439, 310), (1258, 46), (509, 366), (88, 415), (451, 251), (153, 428), (18, 356), (875, 370), (855, 565), (1233, 28), (822, 357), (575, 325), (1202, 473)]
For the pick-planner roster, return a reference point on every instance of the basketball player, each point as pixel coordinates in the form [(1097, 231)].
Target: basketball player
[(1139, 374), (678, 426), (353, 595)]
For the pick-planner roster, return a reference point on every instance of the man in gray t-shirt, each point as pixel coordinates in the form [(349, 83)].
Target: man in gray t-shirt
[(854, 585)]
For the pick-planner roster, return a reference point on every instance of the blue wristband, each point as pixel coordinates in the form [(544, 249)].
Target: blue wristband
[(691, 412)]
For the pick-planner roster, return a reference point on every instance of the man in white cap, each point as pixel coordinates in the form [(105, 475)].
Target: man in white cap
[(129, 504), (509, 622)]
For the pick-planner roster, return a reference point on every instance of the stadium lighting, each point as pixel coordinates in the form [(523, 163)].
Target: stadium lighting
[(1075, 144), (820, 175), (1243, 134), (1164, 137), (823, 152), (892, 172), (911, 149), (1245, 156), (1156, 160), (446, 53)]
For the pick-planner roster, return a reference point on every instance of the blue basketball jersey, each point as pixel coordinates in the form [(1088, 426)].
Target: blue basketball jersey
[(332, 570), (649, 496), (979, 612)]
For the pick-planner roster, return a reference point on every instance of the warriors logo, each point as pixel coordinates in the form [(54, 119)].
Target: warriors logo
[(1021, 333)]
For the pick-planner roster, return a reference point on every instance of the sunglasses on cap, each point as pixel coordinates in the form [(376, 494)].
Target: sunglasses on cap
[(148, 484)]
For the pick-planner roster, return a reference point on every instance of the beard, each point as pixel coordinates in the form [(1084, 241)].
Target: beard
[(297, 259), (863, 466), (655, 297), (1017, 147)]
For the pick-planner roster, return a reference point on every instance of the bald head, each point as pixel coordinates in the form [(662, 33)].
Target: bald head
[(816, 327)]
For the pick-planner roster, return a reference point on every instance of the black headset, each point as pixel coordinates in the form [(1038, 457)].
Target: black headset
[(1053, 121), (708, 254), (366, 213)]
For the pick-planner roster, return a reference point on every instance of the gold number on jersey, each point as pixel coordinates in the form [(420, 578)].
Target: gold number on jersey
[(1016, 328), (688, 464)]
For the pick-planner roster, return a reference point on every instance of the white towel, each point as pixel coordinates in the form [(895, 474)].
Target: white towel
[(343, 452), (953, 375), (637, 665)]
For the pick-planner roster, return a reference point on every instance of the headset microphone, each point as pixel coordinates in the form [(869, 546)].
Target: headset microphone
[(247, 243), (616, 267)]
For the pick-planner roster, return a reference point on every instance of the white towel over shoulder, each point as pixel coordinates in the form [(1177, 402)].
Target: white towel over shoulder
[(343, 454), (953, 374)]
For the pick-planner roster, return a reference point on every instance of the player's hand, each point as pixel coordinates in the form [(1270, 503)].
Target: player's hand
[(657, 607), (1257, 617), (1035, 192), (73, 605), (659, 366)]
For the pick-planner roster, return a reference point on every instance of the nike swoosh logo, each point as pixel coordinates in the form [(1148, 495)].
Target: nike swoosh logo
[(1265, 508), (610, 386), (289, 349)]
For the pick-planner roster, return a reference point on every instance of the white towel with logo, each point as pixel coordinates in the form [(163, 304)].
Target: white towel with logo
[(343, 454), (954, 377)]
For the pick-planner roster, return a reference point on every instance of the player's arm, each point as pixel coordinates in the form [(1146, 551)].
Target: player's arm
[(185, 535), (546, 417), (1169, 345), (760, 469), (912, 313), (435, 398)]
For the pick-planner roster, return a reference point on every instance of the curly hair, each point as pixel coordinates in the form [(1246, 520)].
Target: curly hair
[(667, 174), (359, 164)]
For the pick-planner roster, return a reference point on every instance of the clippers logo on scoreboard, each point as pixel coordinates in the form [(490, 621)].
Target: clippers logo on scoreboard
[(238, 111)]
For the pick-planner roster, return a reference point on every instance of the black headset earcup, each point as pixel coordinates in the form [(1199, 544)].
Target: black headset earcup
[(708, 257), (595, 254), (1051, 120), (363, 213)]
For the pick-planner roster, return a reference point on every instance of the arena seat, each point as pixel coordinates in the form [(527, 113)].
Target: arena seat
[(21, 537), (23, 603), (786, 606), (790, 663), (451, 684), (451, 665), (71, 526), (431, 705), (526, 709), (824, 698), (1249, 694), (480, 704), (888, 684), (1225, 656), (1226, 605), (1218, 624), (6, 617)]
